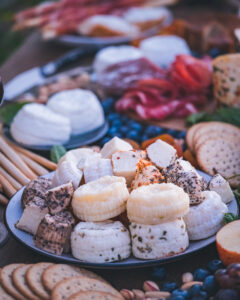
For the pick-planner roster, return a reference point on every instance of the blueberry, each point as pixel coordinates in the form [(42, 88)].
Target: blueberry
[(214, 265), (172, 132), (181, 293), (209, 285), (181, 135), (136, 126), (104, 140), (133, 135), (194, 289), (108, 105), (116, 123), (159, 273), (112, 131), (201, 295), (144, 137), (195, 54), (153, 131), (113, 116), (200, 274), (176, 297), (169, 286), (124, 119), (214, 52), (124, 130)]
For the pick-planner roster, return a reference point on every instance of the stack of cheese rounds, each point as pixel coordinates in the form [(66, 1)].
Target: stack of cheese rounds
[(157, 228)]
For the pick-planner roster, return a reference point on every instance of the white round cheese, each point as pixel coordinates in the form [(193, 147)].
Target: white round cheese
[(36, 124), (162, 50), (114, 23), (82, 107), (115, 54), (138, 15)]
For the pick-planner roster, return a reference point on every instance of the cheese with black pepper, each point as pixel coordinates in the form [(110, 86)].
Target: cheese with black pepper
[(226, 79)]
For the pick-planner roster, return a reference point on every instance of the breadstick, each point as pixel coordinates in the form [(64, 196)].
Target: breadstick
[(38, 169), (16, 159), (13, 170), (3, 200), (13, 182), (9, 190), (41, 160)]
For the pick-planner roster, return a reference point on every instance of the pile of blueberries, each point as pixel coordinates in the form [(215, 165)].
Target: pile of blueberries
[(123, 127), (214, 278)]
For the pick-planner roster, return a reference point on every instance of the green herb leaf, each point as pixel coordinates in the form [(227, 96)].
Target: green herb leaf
[(56, 153), (227, 114), (229, 217), (9, 111)]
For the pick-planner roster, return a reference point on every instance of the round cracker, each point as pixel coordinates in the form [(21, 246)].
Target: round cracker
[(68, 287), (34, 279), (190, 133), (56, 273), (221, 156), (213, 129), (93, 295), (19, 280), (7, 282)]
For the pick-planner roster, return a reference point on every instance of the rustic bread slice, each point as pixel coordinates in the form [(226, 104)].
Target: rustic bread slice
[(93, 295), (221, 156), (56, 273), (34, 279), (226, 79), (7, 282), (20, 282), (68, 287), (4, 294), (190, 134)]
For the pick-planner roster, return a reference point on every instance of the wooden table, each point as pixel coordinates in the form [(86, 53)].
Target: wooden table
[(32, 53)]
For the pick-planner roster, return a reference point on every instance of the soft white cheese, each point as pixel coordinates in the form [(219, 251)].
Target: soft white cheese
[(222, 187), (36, 124), (162, 50), (81, 107), (114, 145), (161, 154), (114, 54)]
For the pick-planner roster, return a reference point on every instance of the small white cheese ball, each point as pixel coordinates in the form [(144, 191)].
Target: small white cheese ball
[(114, 54), (82, 107), (36, 124), (162, 50)]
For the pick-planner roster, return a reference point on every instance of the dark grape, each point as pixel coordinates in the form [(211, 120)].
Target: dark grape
[(181, 293), (227, 294), (200, 274), (226, 282), (234, 271), (194, 290), (176, 297), (201, 295)]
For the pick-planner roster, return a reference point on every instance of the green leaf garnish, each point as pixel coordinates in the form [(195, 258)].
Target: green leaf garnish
[(229, 217), (9, 111), (56, 153)]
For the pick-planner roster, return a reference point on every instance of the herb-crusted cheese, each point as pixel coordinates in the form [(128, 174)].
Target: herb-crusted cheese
[(226, 79)]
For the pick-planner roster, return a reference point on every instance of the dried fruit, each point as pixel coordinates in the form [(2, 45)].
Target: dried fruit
[(149, 286)]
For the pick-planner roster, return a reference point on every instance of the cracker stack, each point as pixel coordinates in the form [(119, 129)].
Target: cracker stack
[(216, 146), (53, 281)]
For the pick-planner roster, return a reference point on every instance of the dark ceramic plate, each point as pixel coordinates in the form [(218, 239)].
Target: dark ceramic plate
[(74, 141), (14, 211)]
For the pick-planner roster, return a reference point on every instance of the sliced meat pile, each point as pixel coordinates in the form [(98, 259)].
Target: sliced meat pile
[(154, 93)]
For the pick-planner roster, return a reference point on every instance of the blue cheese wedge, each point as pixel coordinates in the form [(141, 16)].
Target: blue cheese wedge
[(33, 213), (114, 145), (161, 154), (222, 187)]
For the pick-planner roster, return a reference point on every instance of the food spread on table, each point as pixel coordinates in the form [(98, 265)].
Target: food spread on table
[(93, 18), (164, 197)]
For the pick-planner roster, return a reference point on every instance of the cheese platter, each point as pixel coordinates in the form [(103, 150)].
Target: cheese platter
[(72, 210)]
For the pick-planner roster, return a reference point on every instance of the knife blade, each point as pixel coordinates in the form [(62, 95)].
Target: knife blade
[(38, 75)]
